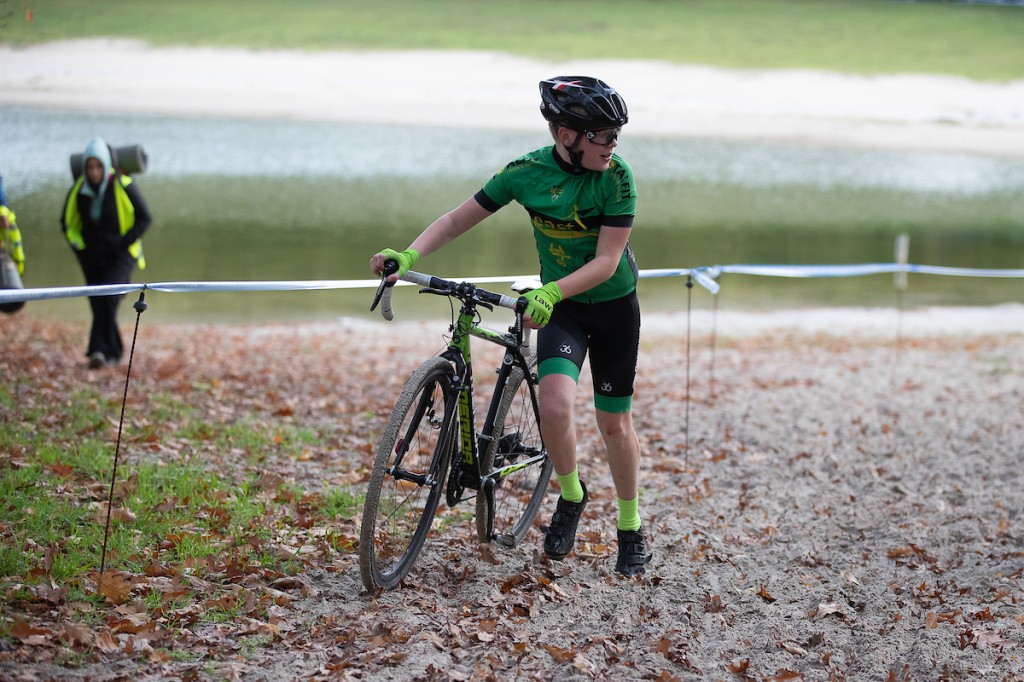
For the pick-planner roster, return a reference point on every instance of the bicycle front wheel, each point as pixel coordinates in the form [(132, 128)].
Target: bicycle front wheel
[(408, 476), (515, 467)]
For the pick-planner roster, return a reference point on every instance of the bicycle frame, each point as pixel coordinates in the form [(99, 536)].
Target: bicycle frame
[(434, 425), (466, 471)]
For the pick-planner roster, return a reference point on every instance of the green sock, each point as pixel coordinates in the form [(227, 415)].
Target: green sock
[(572, 491), (629, 514)]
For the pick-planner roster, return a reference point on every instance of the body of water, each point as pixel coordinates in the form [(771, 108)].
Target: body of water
[(252, 200)]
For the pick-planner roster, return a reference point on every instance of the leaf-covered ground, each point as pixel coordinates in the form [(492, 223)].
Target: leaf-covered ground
[(820, 508)]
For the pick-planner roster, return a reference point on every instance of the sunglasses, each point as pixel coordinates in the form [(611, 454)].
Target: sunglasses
[(605, 138)]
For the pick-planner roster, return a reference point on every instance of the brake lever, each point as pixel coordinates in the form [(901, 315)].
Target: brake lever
[(380, 292), (390, 267)]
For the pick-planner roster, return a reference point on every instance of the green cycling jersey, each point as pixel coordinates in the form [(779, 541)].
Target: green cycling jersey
[(568, 208)]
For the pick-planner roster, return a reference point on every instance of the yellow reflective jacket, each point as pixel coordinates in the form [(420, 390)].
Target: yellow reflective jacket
[(11, 241), (125, 217)]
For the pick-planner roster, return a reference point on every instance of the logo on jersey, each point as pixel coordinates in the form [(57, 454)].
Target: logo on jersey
[(560, 254), (556, 193)]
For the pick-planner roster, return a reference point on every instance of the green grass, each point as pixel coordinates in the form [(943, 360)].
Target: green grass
[(342, 503), (864, 36), (54, 485)]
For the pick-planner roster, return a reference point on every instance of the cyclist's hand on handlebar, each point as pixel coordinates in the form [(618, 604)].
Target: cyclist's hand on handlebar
[(541, 303), (405, 259)]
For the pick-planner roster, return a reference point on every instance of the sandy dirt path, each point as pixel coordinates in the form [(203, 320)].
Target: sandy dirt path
[(822, 506)]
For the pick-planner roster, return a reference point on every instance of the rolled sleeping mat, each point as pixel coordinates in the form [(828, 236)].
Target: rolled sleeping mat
[(130, 159)]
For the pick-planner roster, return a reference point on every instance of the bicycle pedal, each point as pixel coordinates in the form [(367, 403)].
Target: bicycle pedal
[(506, 540)]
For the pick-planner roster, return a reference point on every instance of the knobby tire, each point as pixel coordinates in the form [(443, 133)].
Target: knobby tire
[(398, 513)]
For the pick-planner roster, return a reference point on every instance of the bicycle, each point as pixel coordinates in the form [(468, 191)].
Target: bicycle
[(430, 446)]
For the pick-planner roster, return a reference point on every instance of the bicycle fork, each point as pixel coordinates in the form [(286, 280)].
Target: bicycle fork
[(424, 410)]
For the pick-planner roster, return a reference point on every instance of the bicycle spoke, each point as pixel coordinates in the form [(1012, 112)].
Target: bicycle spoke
[(517, 466)]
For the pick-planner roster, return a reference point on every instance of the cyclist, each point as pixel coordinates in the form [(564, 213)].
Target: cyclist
[(581, 199)]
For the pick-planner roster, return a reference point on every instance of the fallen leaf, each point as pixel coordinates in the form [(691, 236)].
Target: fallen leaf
[(559, 654), (740, 668), (794, 649), (583, 665), (431, 637), (114, 585), (29, 634), (826, 610), (487, 554), (106, 642), (76, 635), (133, 624), (294, 583)]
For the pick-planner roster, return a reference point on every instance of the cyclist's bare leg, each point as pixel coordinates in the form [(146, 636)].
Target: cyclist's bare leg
[(623, 451), (624, 461), (556, 395)]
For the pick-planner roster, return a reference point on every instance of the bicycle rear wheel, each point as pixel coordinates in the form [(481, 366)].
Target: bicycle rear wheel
[(515, 466), (408, 476)]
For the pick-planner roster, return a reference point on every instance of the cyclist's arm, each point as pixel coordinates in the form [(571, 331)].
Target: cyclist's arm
[(452, 224), (610, 243), (442, 231)]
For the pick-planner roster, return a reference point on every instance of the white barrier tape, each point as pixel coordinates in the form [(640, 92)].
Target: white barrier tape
[(813, 271), (279, 285), (701, 275), (13, 295), (963, 272), (705, 276)]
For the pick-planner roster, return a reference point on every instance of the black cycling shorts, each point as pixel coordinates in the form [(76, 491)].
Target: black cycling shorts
[(610, 332)]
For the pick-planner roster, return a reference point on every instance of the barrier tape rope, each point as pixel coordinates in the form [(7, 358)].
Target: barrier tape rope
[(706, 276)]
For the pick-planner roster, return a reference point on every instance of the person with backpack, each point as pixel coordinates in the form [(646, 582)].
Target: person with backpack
[(104, 218)]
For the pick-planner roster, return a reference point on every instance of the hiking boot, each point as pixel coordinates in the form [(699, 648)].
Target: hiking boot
[(633, 554), (96, 360), (561, 534)]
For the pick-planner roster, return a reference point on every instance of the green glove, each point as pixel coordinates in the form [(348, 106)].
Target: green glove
[(405, 259), (541, 302)]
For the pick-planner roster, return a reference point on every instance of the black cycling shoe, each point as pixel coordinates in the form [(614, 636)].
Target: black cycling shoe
[(561, 534), (633, 554)]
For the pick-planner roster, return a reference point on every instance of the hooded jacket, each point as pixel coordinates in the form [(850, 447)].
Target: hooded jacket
[(101, 221)]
